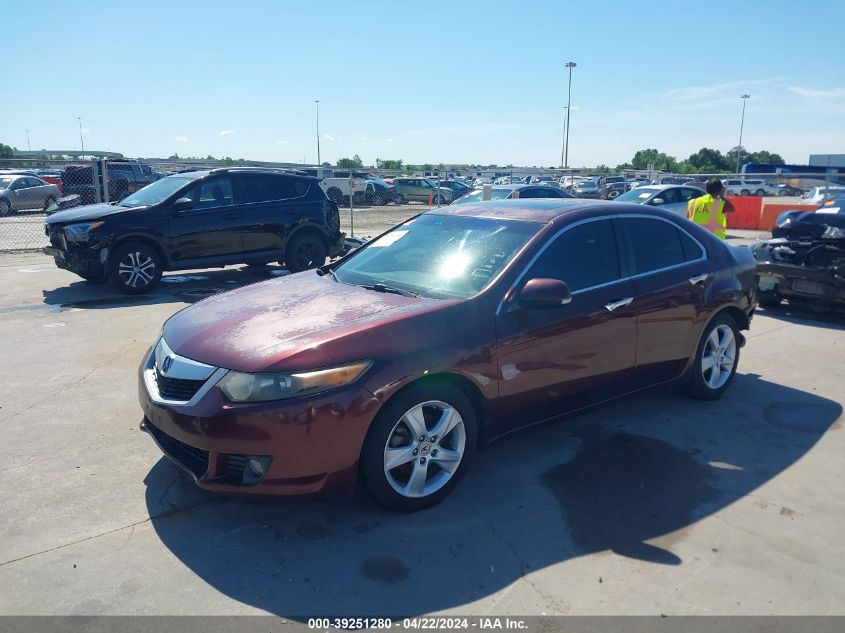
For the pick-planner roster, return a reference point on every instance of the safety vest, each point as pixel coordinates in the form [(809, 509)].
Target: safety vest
[(706, 211)]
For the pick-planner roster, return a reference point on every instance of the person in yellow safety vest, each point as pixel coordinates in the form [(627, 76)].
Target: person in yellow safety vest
[(709, 211)]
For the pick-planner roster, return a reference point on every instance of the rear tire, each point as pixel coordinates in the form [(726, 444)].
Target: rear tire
[(769, 298), (717, 355), (305, 251), (438, 462), (134, 268), (760, 192), (335, 195)]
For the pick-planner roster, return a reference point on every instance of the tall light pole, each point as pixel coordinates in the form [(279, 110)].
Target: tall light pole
[(317, 105), (27, 142), (81, 142), (563, 136), (570, 66), (741, 125)]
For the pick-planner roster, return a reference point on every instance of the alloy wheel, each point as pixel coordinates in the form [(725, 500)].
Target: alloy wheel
[(424, 449), (137, 269), (717, 361)]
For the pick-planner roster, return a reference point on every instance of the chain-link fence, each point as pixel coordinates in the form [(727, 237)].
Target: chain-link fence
[(370, 201)]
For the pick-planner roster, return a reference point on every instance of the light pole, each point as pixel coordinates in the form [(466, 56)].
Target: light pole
[(81, 142), (741, 125), (570, 66), (563, 136), (28, 148), (317, 105)]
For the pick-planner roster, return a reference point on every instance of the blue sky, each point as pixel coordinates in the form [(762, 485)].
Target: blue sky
[(459, 81)]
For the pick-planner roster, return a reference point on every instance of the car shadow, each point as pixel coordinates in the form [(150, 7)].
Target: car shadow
[(175, 287), (632, 478), (807, 313)]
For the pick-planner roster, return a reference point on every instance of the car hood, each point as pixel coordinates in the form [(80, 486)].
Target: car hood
[(287, 323), (88, 212)]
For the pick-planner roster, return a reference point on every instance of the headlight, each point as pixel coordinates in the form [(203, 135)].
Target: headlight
[(240, 387), (79, 232)]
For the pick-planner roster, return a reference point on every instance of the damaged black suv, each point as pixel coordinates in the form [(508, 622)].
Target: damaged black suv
[(198, 219)]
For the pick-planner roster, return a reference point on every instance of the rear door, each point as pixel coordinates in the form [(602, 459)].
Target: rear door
[(273, 204), (670, 274), (211, 230)]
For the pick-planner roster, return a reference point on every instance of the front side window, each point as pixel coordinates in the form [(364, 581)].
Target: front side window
[(210, 194), (657, 244), (584, 256), (438, 256)]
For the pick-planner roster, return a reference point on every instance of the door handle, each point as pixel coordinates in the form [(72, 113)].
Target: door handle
[(230, 216), (618, 304), (698, 279)]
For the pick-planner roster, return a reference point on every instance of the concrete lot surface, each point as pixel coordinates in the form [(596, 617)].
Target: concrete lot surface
[(653, 505)]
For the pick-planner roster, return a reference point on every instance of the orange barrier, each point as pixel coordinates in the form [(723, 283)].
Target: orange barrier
[(771, 212), (747, 214)]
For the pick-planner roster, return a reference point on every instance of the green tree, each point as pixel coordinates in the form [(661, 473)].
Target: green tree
[(395, 165), (325, 164), (602, 169), (350, 163), (6, 151), (709, 161), (764, 156)]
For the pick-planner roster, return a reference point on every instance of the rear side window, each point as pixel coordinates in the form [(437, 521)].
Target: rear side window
[(584, 256), (657, 244), (265, 188)]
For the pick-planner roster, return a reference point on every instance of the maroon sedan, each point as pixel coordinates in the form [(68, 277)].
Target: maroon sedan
[(461, 325)]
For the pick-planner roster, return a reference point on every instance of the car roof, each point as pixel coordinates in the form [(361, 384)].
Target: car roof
[(685, 185), (201, 173)]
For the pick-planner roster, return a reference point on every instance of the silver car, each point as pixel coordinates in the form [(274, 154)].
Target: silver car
[(22, 192), (673, 198)]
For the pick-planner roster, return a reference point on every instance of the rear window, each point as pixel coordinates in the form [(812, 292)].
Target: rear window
[(657, 244), (267, 188)]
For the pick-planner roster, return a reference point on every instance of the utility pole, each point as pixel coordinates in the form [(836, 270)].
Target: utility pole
[(81, 142), (570, 66), (317, 105), (741, 125)]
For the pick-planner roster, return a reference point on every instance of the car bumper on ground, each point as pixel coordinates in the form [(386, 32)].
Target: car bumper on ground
[(338, 246), (85, 260), (307, 446)]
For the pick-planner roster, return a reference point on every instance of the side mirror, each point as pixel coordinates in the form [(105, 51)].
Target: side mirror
[(544, 294), (183, 204), (657, 202)]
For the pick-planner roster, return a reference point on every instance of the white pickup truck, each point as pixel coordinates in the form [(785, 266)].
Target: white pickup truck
[(339, 190)]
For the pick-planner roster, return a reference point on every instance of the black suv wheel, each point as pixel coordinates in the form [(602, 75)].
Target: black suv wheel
[(305, 251), (134, 268)]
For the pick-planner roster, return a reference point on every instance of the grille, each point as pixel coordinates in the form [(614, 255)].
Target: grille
[(194, 459), (176, 388), (235, 466)]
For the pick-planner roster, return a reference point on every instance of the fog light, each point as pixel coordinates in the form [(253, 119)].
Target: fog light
[(257, 466)]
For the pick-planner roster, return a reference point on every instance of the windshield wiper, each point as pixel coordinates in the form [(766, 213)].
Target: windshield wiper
[(329, 272), (389, 290)]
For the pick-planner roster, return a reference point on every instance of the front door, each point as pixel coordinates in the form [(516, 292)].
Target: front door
[(557, 360), (211, 230), (671, 274)]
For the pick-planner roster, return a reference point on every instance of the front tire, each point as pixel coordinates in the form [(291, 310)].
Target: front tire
[(134, 268), (5, 207), (716, 359), (419, 446), (745, 192), (305, 251), (760, 192)]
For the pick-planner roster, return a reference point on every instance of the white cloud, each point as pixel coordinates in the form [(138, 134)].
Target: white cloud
[(812, 93), (180, 139), (328, 137), (390, 140), (226, 133), (281, 142), (362, 138)]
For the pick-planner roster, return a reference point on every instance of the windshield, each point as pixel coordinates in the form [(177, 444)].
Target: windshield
[(438, 256), (155, 192), (638, 195), (475, 196)]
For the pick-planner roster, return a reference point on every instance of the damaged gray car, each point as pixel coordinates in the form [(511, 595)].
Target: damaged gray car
[(805, 259)]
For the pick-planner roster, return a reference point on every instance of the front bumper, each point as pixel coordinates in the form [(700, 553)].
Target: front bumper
[(83, 258), (314, 442), (338, 245)]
